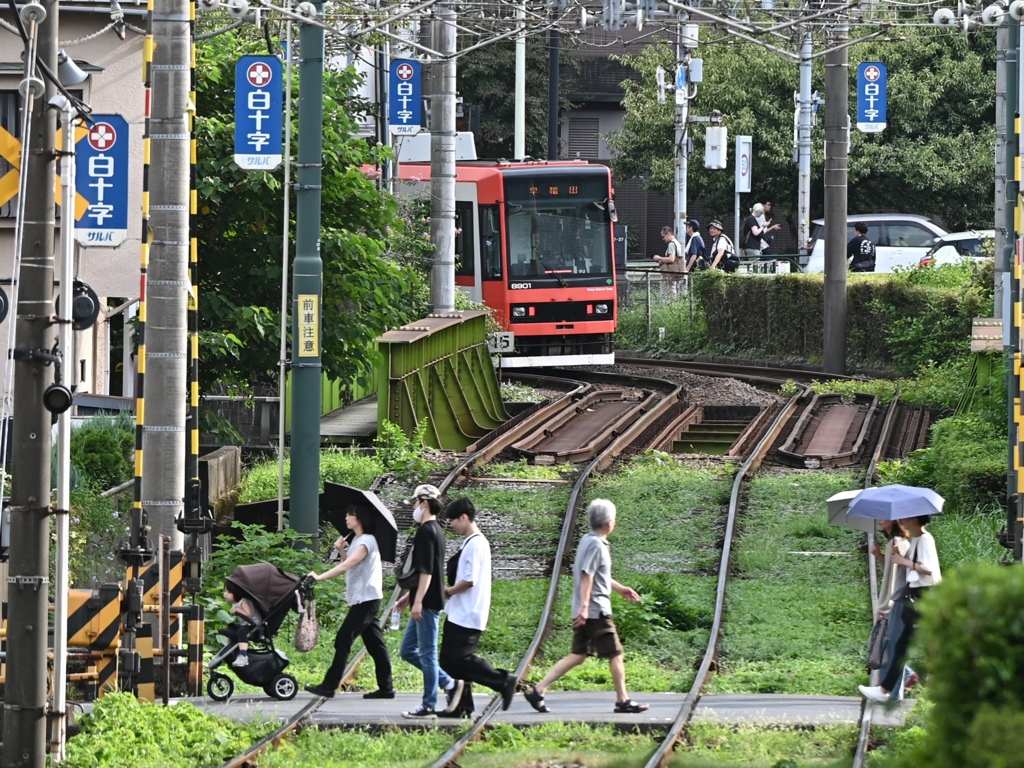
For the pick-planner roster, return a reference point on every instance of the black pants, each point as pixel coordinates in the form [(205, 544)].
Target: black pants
[(894, 673), (361, 620), (458, 658)]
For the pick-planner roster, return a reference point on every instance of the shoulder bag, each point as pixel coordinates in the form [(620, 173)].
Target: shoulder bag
[(406, 576)]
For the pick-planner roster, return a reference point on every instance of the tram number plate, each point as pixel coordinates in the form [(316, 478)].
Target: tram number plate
[(501, 343)]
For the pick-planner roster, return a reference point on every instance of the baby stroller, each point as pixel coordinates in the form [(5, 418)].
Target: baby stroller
[(275, 592)]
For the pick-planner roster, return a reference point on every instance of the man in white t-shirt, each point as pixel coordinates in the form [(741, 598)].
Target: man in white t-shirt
[(469, 605)]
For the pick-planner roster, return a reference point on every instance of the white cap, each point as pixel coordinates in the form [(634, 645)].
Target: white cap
[(424, 492)]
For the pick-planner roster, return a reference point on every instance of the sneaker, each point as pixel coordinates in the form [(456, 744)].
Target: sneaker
[(874, 692), (420, 713), (321, 690), (454, 696), (241, 660), (379, 694)]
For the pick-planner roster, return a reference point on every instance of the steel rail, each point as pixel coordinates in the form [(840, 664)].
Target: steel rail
[(488, 451), (664, 751), (860, 754), (738, 370), (599, 462)]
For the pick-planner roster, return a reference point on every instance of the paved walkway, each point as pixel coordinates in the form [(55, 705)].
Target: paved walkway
[(350, 710)]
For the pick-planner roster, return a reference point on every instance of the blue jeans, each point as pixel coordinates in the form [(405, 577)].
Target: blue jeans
[(419, 648)]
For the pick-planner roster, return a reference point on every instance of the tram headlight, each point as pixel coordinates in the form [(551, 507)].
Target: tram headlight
[(518, 311), (601, 309)]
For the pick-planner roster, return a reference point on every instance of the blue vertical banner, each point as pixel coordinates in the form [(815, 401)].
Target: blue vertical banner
[(872, 88), (405, 98), (258, 113), (101, 178)]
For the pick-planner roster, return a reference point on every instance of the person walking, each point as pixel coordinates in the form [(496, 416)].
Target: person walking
[(894, 581), (752, 231), (860, 252), (593, 629), (922, 571), (723, 254), (363, 594), (468, 608), (673, 265), (696, 252), (767, 227), (419, 643)]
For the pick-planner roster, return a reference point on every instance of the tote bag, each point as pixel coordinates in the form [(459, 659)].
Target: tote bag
[(308, 631), (876, 644)]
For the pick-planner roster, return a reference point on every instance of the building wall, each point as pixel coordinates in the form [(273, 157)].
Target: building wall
[(117, 89)]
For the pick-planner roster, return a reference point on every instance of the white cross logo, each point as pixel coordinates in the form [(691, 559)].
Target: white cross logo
[(872, 74), (259, 74), (404, 72), (102, 136)]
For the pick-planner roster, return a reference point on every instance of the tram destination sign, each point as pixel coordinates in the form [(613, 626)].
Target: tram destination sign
[(258, 113)]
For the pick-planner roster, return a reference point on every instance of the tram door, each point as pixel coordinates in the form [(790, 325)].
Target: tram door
[(467, 254)]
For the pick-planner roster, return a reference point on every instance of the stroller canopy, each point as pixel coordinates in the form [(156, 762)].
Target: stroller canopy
[(267, 584)]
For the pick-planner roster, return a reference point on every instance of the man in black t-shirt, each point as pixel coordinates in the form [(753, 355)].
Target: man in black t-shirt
[(419, 643), (860, 252)]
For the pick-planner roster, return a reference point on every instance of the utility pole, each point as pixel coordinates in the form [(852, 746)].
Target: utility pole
[(28, 568), (1002, 43), (519, 150), (682, 118), (554, 76), (837, 131), (803, 144), (167, 278), (442, 165), (307, 285)]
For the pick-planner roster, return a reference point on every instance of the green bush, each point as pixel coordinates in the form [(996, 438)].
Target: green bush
[(102, 452), (971, 632), (965, 463)]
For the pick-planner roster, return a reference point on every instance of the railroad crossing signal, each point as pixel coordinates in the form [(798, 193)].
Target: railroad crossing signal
[(10, 150)]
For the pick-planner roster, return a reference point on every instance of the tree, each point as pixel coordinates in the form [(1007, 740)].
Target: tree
[(935, 157), (240, 229)]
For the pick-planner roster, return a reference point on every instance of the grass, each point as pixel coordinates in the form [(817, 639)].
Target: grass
[(348, 467), (799, 613)]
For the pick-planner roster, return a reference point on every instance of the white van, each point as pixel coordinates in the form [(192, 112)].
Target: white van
[(900, 239)]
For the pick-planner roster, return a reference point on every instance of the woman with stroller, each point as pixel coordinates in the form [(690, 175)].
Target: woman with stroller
[(363, 593)]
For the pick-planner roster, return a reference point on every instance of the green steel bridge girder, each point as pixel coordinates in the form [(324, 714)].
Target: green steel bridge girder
[(437, 371)]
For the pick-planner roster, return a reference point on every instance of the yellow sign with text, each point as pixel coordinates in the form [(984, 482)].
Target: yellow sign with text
[(308, 309)]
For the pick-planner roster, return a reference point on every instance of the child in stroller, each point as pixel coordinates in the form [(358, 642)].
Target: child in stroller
[(271, 593)]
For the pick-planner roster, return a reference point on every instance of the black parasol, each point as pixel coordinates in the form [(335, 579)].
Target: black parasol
[(338, 498)]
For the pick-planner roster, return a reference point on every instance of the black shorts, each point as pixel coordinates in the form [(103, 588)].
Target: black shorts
[(597, 638)]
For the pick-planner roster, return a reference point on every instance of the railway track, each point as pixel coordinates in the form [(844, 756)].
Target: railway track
[(663, 412)]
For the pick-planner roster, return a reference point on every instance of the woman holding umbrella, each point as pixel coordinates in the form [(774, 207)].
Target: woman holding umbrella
[(921, 568), (363, 593)]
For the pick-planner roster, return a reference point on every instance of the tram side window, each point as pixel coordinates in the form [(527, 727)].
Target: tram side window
[(464, 256), (490, 242)]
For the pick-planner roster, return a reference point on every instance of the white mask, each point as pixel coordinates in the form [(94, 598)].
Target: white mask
[(417, 513)]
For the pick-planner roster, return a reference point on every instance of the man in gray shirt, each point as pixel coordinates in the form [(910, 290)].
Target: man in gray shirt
[(594, 631)]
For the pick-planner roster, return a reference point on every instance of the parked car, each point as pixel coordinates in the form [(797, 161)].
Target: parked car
[(956, 246), (900, 239)]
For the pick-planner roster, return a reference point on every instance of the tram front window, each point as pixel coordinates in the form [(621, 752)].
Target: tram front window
[(561, 241)]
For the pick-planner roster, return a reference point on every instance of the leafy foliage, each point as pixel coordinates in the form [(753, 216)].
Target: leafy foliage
[(122, 730), (240, 228), (259, 482), (399, 453), (934, 157), (102, 452), (972, 633)]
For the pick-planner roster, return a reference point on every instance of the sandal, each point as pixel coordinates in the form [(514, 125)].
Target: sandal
[(630, 707), (536, 699)]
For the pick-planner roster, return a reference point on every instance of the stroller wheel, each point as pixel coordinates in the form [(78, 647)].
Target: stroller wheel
[(220, 687), (282, 688)]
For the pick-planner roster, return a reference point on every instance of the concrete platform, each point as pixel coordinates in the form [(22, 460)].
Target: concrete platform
[(356, 421), (348, 710)]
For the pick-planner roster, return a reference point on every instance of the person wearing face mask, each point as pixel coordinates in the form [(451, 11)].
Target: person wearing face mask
[(419, 643)]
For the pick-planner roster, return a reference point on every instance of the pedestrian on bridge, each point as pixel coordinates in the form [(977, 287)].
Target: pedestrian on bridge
[(594, 631), (468, 608)]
